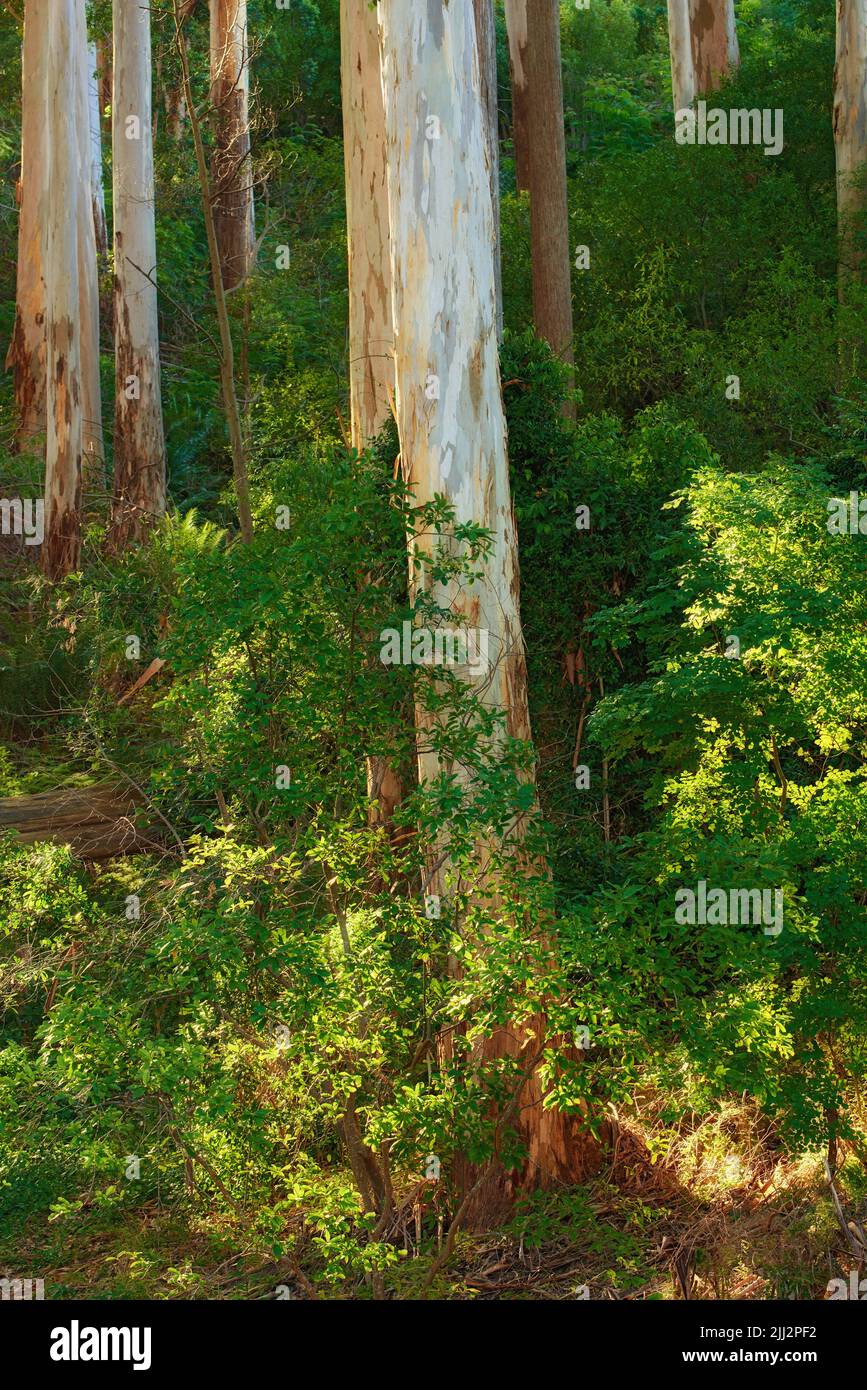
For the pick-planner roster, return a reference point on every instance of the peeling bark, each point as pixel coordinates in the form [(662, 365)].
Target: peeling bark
[(703, 45), (61, 546), (232, 174), (444, 298), (139, 445), (26, 355)]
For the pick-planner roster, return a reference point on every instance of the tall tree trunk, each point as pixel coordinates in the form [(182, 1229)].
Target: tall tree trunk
[(711, 22), (139, 445), (732, 46), (26, 355), (232, 174), (90, 216), (539, 62), (442, 238), (703, 44), (371, 338), (517, 26), (486, 36), (850, 133), (683, 88), (95, 118), (61, 546)]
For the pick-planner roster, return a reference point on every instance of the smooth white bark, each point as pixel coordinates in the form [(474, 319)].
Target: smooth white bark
[(683, 80), (445, 320)]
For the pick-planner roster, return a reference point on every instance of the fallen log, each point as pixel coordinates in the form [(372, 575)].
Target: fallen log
[(97, 822)]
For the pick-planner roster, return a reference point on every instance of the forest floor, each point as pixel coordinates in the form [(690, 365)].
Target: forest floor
[(721, 1214)]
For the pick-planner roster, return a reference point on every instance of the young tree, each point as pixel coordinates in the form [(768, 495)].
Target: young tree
[(26, 355), (449, 404), (226, 353), (371, 338), (703, 44), (232, 173), (91, 219), (61, 545), (850, 132), (139, 445), (536, 60)]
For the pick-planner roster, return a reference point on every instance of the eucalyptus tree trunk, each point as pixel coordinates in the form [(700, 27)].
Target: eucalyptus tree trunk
[(453, 442), (850, 132), (232, 174), (733, 48), (516, 23), (91, 216), (371, 337), (62, 541), (139, 444), (712, 23), (683, 79), (535, 49), (26, 355), (703, 44)]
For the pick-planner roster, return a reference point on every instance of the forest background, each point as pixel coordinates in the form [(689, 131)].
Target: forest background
[(221, 1059)]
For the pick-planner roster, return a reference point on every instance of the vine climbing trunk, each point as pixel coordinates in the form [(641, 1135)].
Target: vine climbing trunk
[(226, 351)]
